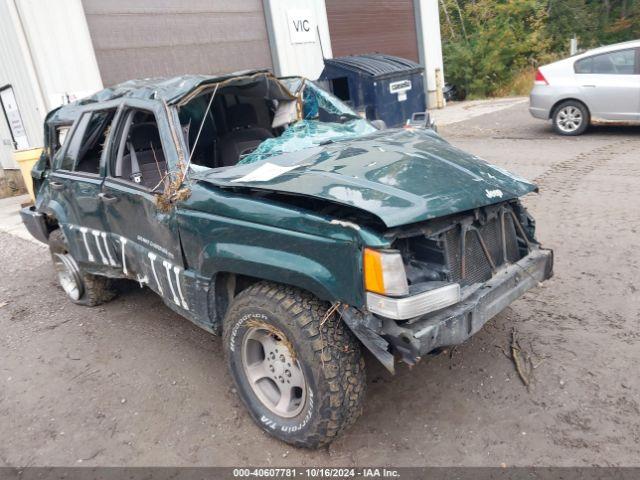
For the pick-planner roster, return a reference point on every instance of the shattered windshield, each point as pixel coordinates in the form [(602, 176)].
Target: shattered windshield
[(248, 119), (325, 119)]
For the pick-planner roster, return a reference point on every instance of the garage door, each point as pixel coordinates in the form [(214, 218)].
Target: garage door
[(149, 38), (367, 26)]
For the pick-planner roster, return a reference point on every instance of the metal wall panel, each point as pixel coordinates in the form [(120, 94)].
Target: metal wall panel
[(15, 64), (61, 49), (368, 26), (169, 37), (298, 58)]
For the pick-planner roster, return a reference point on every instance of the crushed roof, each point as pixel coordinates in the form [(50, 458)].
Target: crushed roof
[(168, 89)]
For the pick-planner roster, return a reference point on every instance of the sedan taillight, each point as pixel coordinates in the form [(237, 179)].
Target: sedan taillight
[(540, 80)]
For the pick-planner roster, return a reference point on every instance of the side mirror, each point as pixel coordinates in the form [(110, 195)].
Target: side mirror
[(422, 120), (379, 124)]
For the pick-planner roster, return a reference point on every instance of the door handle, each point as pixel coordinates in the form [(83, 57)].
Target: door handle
[(589, 86), (56, 185), (106, 198)]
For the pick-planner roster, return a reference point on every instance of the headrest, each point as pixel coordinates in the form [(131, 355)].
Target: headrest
[(241, 115), (143, 134)]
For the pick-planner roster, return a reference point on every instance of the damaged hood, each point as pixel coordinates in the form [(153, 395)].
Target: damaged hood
[(401, 176)]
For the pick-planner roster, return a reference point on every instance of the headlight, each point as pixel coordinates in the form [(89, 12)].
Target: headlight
[(384, 273), (416, 305)]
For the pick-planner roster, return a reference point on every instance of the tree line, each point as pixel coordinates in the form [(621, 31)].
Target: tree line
[(492, 47)]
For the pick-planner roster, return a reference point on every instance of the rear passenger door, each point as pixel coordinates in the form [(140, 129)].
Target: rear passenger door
[(145, 236), (75, 187), (610, 84)]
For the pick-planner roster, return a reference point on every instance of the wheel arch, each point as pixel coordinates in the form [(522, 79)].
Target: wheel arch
[(226, 285), (552, 110), (233, 267)]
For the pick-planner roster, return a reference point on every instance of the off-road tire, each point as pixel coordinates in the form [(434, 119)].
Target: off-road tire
[(327, 352), (586, 118), (96, 288)]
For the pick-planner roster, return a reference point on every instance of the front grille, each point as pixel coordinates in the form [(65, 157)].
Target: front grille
[(477, 267)]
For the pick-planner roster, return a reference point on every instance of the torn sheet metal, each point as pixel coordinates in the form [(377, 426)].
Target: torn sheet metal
[(416, 177)]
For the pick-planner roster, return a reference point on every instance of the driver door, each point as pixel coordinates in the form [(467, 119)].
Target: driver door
[(145, 237)]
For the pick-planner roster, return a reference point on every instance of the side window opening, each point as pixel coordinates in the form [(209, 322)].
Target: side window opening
[(88, 142), (75, 141), (94, 141), (140, 158), (58, 138)]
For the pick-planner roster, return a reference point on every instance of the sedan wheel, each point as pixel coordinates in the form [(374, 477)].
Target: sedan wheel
[(571, 118)]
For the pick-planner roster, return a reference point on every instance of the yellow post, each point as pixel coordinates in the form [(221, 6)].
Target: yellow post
[(439, 89), (26, 160)]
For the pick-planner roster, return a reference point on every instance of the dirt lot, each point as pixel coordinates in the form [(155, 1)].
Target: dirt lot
[(131, 383)]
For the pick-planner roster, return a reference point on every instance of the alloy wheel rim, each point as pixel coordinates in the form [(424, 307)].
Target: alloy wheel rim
[(569, 119), (273, 373), (68, 275)]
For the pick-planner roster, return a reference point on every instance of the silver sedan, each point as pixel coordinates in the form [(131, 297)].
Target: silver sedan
[(598, 86)]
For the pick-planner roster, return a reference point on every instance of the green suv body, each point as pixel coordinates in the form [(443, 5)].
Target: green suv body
[(265, 210)]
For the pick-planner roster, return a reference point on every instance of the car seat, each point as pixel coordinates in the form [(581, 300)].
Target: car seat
[(144, 161), (244, 134)]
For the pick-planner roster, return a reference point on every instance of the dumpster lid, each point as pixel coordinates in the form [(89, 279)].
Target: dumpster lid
[(375, 64)]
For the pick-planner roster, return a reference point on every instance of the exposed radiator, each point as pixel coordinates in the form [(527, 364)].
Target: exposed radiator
[(474, 266)]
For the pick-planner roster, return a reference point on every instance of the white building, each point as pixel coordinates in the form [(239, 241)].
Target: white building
[(52, 52)]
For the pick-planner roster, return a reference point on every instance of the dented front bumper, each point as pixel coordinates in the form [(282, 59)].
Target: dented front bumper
[(453, 325)]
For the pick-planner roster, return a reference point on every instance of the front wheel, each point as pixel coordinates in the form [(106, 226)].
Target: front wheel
[(299, 372), (571, 118)]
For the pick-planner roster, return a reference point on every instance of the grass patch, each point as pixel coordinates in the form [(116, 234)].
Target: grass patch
[(520, 85)]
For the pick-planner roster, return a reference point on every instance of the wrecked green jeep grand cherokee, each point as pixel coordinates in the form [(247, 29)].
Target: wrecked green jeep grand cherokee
[(267, 211)]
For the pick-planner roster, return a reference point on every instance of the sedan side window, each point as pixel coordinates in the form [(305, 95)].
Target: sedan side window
[(88, 142), (622, 62)]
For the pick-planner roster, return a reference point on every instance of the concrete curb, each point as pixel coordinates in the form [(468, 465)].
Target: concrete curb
[(456, 112)]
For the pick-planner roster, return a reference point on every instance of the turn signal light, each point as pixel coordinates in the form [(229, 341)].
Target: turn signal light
[(384, 273)]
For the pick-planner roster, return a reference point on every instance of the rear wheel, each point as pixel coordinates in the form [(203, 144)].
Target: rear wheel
[(81, 287), (571, 118), (299, 372)]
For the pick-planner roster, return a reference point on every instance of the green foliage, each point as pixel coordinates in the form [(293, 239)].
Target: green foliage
[(488, 43)]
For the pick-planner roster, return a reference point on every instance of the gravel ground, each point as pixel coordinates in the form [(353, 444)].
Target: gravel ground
[(132, 383)]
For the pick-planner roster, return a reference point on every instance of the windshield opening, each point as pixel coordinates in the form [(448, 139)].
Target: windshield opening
[(255, 118)]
